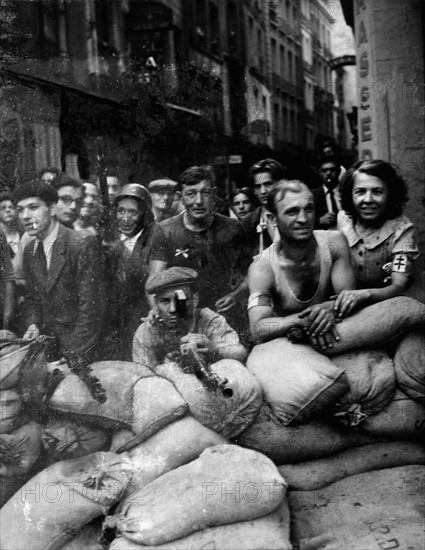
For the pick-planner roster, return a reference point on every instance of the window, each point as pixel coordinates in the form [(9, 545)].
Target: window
[(285, 123), (273, 55), (290, 67), (48, 21), (282, 61), (200, 25), (214, 29)]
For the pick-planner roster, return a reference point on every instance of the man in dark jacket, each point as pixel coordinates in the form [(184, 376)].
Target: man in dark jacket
[(326, 196), (62, 270)]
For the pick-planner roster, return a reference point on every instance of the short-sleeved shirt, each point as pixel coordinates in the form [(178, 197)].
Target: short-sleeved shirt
[(220, 254), (152, 341), (396, 237)]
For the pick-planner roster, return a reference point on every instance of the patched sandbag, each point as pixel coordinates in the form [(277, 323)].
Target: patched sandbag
[(9, 367), (377, 510), (10, 410), (87, 538), (375, 325), (228, 410), (63, 440), (297, 381), (72, 397), (270, 532), (20, 450), (371, 379), (316, 474), (226, 484), (290, 445), (157, 403), (176, 444), (409, 362), (402, 418), (51, 508)]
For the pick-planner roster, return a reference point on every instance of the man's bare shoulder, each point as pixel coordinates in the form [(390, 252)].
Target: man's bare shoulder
[(334, 241)]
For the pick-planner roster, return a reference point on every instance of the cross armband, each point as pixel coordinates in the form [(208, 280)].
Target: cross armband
[(260, 299), (400, 264)]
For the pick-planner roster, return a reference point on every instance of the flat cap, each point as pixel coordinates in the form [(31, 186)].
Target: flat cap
[(173, 276), (164, 183)]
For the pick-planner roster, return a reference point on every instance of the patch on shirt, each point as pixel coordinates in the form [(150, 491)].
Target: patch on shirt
[(399, 263), (182, 252)]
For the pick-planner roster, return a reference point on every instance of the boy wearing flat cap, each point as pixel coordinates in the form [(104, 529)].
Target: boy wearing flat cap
[(176, 320)]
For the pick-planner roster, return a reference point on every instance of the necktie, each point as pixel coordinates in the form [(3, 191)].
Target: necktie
[(41, 260), (334, 206)]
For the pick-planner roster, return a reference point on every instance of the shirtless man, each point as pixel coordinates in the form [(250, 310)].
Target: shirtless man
[(292, 281)]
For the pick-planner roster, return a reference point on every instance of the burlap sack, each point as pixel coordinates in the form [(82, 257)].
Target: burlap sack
[(228, 411), (409, 362), (377, 510), (226, 484), (297, 381)]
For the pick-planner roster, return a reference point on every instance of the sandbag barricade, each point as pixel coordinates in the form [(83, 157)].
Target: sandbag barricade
[(10, 411), (173, 446), (270, 532), (290, 445), (316, 474), (297, 381), (402, 418), (371, 379), (201, 494), (136, 399), (228, 410), (375, 510), (63, 440), (51, 507), (409, 362), (86, 539)]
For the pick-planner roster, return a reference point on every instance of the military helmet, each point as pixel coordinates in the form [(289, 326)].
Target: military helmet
[(135, 191)]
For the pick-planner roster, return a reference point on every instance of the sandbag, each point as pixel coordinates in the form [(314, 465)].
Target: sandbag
[(62, 440), (176, 444), (228, 411), (51, 507), (157, 403), (375, 325), (316, 474), (20, 450), (297, 380), (9, 486), (86, 539), (270, 532), (402, 418), (226, 484), (290, 445), (409, 362), (7, 346), (73, 400), (10, 410), (371, 379), (120, 440), (9, 367), (33, 379), (377, 510)]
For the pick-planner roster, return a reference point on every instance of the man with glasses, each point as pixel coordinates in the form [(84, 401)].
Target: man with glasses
[(70, 193), (260, 231), (213, 245)]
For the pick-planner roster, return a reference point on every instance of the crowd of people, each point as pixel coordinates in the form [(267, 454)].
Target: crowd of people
[(143, 271)]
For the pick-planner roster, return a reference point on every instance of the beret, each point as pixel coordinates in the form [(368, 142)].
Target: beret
[(162, 184), (173, 276)]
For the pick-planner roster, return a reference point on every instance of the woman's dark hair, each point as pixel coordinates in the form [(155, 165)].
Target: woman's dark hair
[(386, 172), (247, 192)]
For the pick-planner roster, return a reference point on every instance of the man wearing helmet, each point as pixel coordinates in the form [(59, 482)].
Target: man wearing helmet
[(128, 266)]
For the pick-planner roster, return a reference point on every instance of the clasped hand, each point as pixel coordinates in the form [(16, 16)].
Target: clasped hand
[(319, 323)]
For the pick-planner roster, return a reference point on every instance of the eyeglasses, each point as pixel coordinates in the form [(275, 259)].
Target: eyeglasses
[(67, 199)]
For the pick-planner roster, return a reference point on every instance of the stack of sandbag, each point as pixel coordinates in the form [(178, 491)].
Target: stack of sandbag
[(371, 381), (228, 410), (374, 510), (54, 505), (409, 361), (320, 438), (227, 498), (135, 399), (20, 437), (298, 382), (318, 473)]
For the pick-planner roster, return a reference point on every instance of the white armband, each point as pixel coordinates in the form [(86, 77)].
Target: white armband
[(260, 299)]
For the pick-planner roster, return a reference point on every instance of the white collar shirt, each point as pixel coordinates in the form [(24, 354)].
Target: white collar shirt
[(48, 243), (130, 242)]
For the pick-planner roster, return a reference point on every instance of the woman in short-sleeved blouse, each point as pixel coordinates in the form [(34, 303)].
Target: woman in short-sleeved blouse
[(382, 241)]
